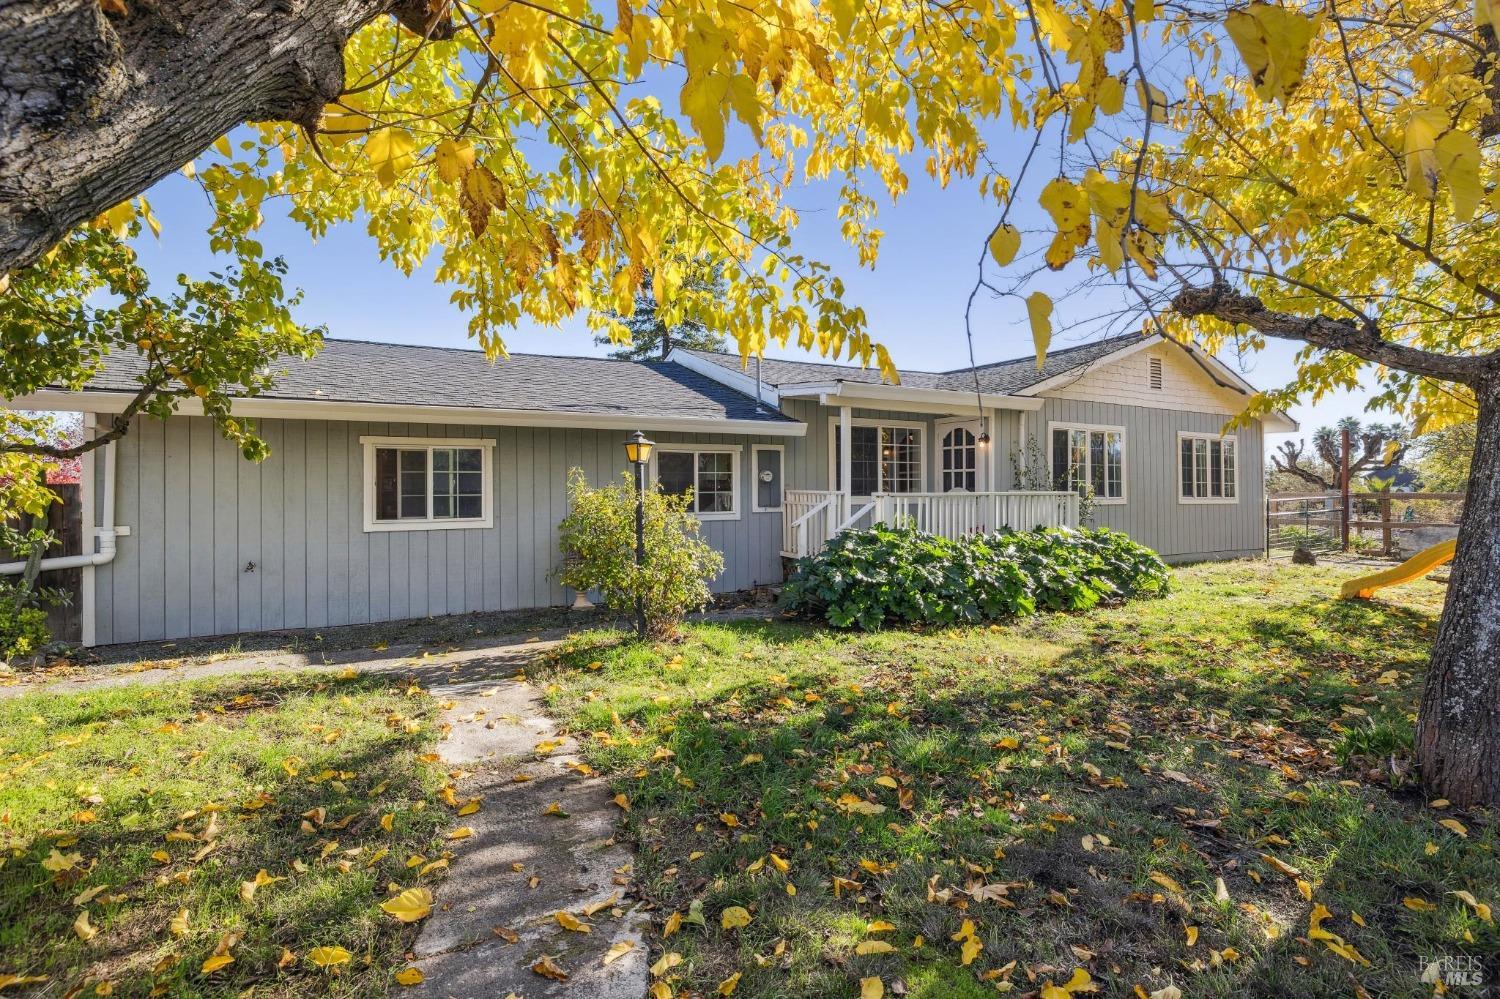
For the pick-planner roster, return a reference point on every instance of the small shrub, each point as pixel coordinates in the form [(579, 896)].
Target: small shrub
[(23, 627), (867, 579), (1381, 748), (598, 544)]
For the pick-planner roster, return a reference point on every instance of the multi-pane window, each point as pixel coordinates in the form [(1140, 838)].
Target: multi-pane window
[(416, 484), (1206, 468), (960, 460), (1089, 459), (708, 475), (882, 460)]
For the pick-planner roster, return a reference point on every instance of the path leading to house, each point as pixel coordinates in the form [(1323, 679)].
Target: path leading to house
[(526, 860), (542, 844)]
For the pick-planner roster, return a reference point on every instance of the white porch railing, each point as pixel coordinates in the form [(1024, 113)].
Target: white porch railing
[(811, 517), (956, 514)]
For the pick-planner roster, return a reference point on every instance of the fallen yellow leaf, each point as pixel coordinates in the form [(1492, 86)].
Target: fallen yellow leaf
[(328, 957), (568, 921), (216, 961), (618, 951), (410, 976), (548, 968), (409, 906), (734, 917)]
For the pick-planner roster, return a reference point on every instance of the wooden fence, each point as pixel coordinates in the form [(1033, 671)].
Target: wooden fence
[(65, 521), (1328, 521)]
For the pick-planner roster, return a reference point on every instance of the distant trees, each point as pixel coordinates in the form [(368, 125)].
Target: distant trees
[(652, 338), (1375, 447)]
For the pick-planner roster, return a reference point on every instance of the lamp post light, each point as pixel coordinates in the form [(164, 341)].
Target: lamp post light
[(638, 452)]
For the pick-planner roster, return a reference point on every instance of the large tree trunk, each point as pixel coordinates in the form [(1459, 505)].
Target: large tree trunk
[(99, 99), (1458, 728)]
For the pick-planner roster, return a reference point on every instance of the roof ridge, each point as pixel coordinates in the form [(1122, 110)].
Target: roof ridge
[(925, 371), (481, 351), (1050, 354)]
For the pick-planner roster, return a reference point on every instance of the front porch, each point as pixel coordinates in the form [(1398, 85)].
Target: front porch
[(813, 516)]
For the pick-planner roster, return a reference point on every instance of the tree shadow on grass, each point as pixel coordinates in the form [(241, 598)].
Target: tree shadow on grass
[(154, 765), (999, 775)]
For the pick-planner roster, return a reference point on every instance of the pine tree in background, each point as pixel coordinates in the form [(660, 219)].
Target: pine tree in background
[(650, 338)]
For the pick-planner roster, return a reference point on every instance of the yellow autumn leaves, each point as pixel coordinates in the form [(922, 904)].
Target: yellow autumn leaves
[(1437, 152)]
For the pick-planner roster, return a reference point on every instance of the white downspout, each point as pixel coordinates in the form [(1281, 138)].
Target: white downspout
[(105, 532)]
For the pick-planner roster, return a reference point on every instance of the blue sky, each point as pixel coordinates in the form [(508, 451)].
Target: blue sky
[(914, 297)]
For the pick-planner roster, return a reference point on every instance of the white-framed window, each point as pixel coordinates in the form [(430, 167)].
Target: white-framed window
[(1207, 469), (886, 457), (427, 484), (768, 465), (1085, 457), (710, 472)]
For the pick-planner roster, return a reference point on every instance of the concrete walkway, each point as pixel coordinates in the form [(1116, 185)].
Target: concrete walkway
[(523, 865)]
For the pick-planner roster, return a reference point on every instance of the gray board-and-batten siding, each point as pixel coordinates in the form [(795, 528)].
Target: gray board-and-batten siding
[(219, 545)]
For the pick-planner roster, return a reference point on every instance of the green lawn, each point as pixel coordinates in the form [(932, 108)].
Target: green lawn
[(137, 805), (1152, 793)]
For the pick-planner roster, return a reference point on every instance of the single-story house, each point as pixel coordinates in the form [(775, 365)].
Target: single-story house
[(411, 481)]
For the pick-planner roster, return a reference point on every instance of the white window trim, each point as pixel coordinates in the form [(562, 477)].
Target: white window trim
[(1177, 464), (755, 450), (1124, 496), (429, 523), (733, 450), (833, 440)]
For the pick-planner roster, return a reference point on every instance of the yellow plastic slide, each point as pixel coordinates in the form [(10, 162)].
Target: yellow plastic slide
[(1420, 564)]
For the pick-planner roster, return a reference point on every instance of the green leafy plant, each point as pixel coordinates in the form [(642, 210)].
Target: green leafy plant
[(23, 626), (867, 579), (1032, 472), (598, 544)]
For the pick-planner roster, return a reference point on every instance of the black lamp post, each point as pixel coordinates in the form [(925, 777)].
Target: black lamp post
[(638, 451)]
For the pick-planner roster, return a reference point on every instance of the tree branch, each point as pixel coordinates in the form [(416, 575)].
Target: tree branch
[(1221, 301), (118, 428)]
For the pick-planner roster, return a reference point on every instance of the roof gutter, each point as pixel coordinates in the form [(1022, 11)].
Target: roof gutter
[(105, 532), (329, 409)]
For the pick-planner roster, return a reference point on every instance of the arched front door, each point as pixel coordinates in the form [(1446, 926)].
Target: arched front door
[(958, 458)]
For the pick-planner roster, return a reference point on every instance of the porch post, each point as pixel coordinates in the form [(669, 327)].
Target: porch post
[(846, 462), (991, 453)]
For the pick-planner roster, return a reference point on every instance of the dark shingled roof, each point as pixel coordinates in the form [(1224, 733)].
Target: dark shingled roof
[(400, 374), (1000, 378)]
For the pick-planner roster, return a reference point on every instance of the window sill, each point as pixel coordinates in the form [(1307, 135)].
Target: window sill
[(386, 526), (707, 517), (1208, 501)]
